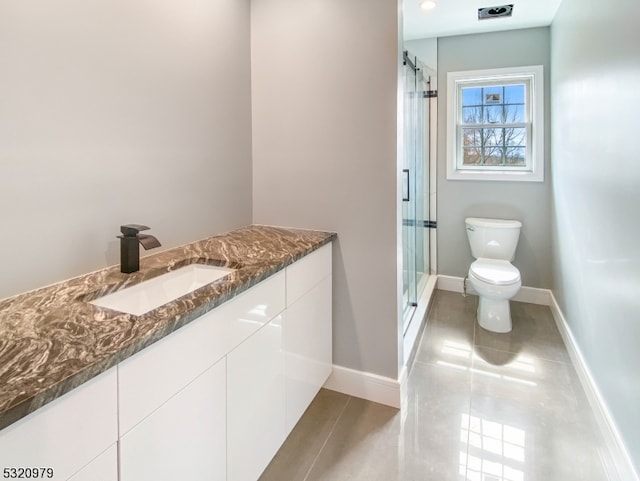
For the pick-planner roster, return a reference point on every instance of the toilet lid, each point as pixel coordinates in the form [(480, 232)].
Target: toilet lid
[(495, 271)]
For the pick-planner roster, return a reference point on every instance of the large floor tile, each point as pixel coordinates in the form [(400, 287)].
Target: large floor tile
[(423, 442), (529, 420), (507, 442), (296, 456), (450, 329), (532, 385), (372, 442), (363, 446), (435, 422)]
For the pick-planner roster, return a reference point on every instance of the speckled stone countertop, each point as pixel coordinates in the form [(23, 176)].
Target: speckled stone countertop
[(52, 340)]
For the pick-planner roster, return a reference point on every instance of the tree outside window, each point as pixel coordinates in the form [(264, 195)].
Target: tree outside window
[(493, 125)]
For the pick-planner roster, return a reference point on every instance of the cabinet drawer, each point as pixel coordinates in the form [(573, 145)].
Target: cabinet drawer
[(152, 376), (66, 434), (302, 275)]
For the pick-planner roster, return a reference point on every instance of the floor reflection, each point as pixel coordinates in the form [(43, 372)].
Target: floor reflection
[(496, 451), (523, 367)]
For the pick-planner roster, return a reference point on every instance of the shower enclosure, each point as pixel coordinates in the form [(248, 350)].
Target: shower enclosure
[(415, 185)]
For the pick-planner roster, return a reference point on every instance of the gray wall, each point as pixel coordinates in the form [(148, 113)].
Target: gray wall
[(114, 112), (324, 88), (526, 201), (426, 49), (596, 180)]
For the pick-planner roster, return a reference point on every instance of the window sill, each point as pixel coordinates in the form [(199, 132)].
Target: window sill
[(501, 176)]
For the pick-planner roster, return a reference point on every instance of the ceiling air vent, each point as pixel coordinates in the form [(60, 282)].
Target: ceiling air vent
[(495, 12)]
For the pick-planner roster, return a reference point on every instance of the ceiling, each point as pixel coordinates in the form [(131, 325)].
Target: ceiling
[(458, 17)]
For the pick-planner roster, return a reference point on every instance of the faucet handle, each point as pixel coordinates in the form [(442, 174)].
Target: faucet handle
[(131, 230)]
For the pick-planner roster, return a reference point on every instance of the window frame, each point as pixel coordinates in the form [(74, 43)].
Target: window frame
[(533, 78)]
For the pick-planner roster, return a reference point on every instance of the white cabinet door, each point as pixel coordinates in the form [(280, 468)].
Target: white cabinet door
[(149, 378), (308, 349), (103, 468), (185, 438), (66, 434), (255, 402)]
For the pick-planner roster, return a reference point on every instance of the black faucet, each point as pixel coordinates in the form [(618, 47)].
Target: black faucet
[(129, 246)]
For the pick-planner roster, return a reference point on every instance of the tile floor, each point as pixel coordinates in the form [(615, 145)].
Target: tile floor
[(481, 407)]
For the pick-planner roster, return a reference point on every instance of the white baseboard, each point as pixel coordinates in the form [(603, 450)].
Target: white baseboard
[(532, 295), (450, 283), (365, 385), (616, 460)]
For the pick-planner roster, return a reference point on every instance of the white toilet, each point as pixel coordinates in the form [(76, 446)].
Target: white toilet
[(493, 244)]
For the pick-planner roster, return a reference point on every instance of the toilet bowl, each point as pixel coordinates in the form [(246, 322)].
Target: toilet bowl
[(493, 244), (496, 281)]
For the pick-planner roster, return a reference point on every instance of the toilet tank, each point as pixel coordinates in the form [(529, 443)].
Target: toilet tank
[(493, 238)]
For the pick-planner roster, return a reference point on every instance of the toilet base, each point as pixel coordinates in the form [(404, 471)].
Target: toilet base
[(494, 314)]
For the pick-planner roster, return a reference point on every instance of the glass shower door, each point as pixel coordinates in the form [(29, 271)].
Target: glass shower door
[(413, 171)]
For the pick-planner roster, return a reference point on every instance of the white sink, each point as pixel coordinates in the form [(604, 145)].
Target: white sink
[(160, 290)]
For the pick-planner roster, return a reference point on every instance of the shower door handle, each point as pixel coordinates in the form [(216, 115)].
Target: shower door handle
[(405, 186)]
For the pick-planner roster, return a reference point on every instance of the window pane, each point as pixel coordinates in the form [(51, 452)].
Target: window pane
[(471, 96), (492, 137), (492, 95), (471, 137), (494, 114), (515, 137), (514, 113), (493, 156), (471, 156), (515, 156), (514, 94), (471, 115)]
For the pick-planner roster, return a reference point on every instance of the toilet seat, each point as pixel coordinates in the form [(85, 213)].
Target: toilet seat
[(495, 271)]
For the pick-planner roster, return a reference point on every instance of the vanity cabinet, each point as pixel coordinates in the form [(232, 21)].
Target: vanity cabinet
[(214, 400), (67, 434)]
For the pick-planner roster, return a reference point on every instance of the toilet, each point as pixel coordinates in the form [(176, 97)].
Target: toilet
[(493, 244)]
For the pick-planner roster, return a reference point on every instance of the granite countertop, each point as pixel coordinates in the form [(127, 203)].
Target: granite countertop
[(52, 340)]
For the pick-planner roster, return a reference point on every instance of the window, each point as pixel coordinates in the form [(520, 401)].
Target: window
[(495, 125)]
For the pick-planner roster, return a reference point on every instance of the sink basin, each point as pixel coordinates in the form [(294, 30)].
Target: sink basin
[(160, 290)]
